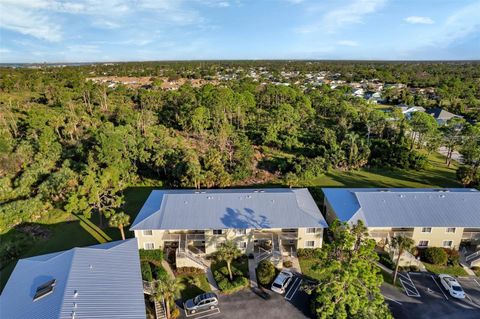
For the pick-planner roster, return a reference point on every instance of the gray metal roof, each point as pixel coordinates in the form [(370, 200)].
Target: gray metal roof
[(107, 278), (229, 208), (407, 207)]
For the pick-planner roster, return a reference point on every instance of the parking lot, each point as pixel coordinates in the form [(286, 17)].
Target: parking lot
[(433, 300), (246, 304)]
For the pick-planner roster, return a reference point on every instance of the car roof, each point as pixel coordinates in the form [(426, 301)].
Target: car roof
[(282, 276), (207, 295)]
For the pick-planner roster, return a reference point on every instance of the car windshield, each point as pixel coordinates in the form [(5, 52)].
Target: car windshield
[(197, 299), (457, 288), (276, 285)]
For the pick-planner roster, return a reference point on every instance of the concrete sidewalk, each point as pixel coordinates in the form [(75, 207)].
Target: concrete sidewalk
[(211, 280), (252, 265)]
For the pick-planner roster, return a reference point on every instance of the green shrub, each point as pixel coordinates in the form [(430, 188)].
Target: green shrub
[(453, 256), (159, 272), (435, 255), (152, 255), (240, 280), (386, 260), (189, 271), (228, 286), (146, 270), (287, 264), (265, 272), (309, 252)]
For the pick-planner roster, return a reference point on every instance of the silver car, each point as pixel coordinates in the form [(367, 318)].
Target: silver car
[(205, 301), (282, 281)]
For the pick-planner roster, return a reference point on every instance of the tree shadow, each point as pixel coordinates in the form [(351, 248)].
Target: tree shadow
[(248, 218)]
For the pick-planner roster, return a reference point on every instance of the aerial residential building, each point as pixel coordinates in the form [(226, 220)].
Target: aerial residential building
[(431, 217), (102, 281), (193, 223), (409, 110), (442, 116)]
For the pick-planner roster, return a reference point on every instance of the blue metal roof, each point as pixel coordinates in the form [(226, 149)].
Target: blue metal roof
[(407, 207), (229, 208), (106, 277)]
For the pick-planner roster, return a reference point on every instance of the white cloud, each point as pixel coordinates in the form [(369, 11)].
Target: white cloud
[(418, 20), (344, 16), (348, 43)]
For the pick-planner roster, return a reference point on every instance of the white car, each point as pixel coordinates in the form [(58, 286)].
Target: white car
[(452, 285), (282, 281)]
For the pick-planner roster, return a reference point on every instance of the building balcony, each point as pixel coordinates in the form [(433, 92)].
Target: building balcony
[(471, 235)]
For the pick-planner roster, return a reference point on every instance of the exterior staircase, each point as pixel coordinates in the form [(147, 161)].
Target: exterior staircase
[(473, 259), (159, 304), (184, 252)]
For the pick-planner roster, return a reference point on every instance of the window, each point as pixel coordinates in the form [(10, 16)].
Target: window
[(44, 290), (311, 230), (242, 245), (217, 231), (310, 244), (147, 232), (423, 243), (426, 229), (447, 243), (451, 229), (149, 246), (240, 231)]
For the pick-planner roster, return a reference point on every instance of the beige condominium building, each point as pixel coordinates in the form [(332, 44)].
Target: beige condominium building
[(269, 223), (431, 217)]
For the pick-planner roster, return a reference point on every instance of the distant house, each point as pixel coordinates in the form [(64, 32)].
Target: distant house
[(102, 281), (442, 116), (358, 92), (193, 223), (409, 110), (431, 217), (373, 97)]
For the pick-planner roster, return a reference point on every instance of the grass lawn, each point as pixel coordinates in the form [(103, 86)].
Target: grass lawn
[(436, 175), (193, 285), (456, 270), (308, 266)]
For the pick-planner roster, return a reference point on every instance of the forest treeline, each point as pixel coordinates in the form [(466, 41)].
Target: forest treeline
[(71, 144)]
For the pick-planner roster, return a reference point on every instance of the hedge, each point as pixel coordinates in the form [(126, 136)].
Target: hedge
[(309, 252), (220, 273), (265, 272), (146, 270), (154, 256), (435, 255)]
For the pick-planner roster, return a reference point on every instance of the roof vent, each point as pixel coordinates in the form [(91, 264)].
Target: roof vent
[(249, 196), (91, 267), (256, 191), (384, 190), (262, 191), (197, 192), (44, 290), (402, 196), (442, 190), (442, 196), (203, 192), (75, 293), (185, 202), (210, 197), (73, 314)]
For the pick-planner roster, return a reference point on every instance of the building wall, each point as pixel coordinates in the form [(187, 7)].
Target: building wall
[(304, 237), (156, 238), (437, 236)]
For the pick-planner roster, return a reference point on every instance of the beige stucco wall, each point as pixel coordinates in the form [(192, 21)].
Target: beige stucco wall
[(437, 236), (316, 237), (156, 238)]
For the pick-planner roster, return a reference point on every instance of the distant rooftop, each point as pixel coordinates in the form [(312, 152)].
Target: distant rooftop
[(407, 207), (102, 281), (229, 208), (441, 114)]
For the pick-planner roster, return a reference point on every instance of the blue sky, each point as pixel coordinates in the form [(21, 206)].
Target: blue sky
[(122, 30)]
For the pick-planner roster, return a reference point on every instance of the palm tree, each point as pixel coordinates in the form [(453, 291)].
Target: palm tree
[(400, 243), (166, 289), (227, 252), (120, 220)]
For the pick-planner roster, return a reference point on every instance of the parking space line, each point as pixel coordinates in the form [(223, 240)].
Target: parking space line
[(441, 290), (476, 281), (295, 290), (392, 299), (408, 285), (203, 314)]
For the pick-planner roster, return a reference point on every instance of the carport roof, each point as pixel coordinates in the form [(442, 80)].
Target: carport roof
[(406, 207), (229, 208)]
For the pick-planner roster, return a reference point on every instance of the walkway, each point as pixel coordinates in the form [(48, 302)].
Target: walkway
[(252, 265), (211, 280), (295, 265), (167, 267)]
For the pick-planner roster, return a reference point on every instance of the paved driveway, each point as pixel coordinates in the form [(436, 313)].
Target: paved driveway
[(246, 304), (434, 301)]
